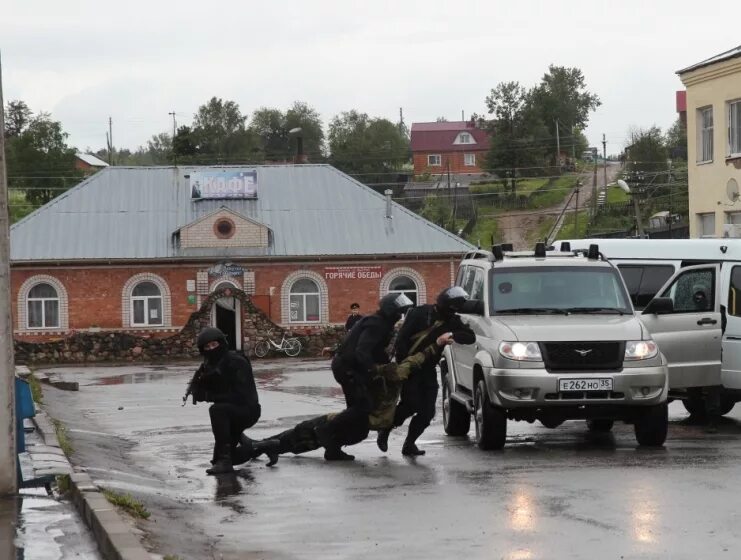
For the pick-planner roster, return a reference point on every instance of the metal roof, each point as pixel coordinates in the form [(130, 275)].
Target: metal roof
[(439, 136), (733, 53), (92, 160), (135, 212)]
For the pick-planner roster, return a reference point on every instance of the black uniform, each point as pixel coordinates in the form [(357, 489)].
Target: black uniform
[(225, 379), (352, 320), (419, 393), (353, 365)]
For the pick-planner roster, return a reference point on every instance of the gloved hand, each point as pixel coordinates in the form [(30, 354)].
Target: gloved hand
[(445, 339)]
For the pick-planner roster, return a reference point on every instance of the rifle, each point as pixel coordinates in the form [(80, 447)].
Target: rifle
[(194, 384)]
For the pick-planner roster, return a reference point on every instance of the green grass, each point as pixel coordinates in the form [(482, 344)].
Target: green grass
[(36, 391), (569, 231), (131, 505), (616, 195), (64, 484), (63, 437), (553, 192), (171, 557), (544, 227), (19, 207), (482, 232)]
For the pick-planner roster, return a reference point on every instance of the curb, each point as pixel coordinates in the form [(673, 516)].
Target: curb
[(110, 530)]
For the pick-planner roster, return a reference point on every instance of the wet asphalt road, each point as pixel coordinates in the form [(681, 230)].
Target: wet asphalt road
[(559, 493)]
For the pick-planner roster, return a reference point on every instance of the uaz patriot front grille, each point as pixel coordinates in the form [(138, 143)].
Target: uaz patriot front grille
[(583, 356)]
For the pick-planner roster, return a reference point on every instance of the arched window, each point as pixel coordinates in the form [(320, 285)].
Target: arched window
[(146, 304), (305, 302), (404, 285), (43, 307)]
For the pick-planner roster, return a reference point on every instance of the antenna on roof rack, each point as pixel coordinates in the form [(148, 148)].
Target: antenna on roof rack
[(508, 247), (498, 253), (565, 247), (540, 250), (593, 253)]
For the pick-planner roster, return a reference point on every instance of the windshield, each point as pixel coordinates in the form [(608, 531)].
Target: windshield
[(554, 289)]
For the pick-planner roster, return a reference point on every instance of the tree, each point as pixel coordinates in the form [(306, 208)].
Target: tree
[(220, 135), (39, 161), (562, 96), (647, 152), (184, 144), (17, 118), (270, 126), (676, 140), (303, 116), (274, 129), (369, 148)]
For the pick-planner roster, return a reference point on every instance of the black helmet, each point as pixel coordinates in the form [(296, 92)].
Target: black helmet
[(393, 306), (451, 300), (209, 334)]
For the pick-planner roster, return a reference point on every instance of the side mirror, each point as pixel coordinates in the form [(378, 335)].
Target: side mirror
[(659, 306), (474, 307)]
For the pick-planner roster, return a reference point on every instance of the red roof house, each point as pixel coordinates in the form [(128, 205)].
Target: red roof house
[(457, 146)]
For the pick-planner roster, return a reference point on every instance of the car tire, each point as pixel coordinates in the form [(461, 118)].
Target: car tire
[(456, 418), (726, 405), (651, 425), (695, 406), (600, 425), (490, 421)]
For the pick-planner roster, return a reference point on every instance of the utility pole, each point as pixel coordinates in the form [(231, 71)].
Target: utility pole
[(604, 160), (110, 141), (174, 125), (8, 475), (558, 149), (576, 212)]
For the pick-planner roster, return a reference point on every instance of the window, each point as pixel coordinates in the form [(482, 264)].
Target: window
[(469, 159), (224, 228), (465, 138), (304, 302), (733, 218), (473, 282), (734, 128), (146, 305), (693, 291), (644, 281), (434, 159), (461, 275), (554, 287), (705, 134), (706, 224), (43, 307), (404, 285), (734, 293)]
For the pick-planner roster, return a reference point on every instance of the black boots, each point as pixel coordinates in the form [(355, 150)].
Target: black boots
[(270, 447), (410, 449), (336, 454), (383, 440), (332, 450), (223, 461)]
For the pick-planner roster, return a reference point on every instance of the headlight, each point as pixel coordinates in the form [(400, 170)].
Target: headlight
[(521, 351), (640, 350)]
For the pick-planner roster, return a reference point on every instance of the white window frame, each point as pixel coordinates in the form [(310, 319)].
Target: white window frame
[(730, 106), (303, 295), (415, 291), (43, 301), (469, 160), (705, 133), (701, 221), (438, 158), (465, 138), (146, 299)]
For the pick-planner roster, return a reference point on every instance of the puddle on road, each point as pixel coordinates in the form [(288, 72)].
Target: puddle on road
[(36, 526), (130, 378)]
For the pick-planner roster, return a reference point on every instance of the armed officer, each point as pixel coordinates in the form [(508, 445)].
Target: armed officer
[(353, 366), (423, 325)]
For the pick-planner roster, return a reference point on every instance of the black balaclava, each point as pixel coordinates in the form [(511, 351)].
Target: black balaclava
[(450, 301), (210, 334)]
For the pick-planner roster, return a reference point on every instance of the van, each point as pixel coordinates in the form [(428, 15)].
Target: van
[(700, 334), (556, 339)]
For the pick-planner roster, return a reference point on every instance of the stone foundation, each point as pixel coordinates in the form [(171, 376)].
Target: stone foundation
[(91, 347)]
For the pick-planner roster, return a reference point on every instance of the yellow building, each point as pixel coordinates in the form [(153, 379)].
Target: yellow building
[(714, 144)]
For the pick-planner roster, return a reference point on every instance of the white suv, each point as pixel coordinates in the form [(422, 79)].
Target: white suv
[(556, 339)]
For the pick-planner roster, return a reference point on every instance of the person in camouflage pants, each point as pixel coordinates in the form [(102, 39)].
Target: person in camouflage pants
[(384, 391)]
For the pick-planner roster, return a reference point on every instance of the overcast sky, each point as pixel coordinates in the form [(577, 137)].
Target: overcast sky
[(136, 61)]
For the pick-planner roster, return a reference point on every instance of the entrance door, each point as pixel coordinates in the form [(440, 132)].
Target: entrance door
[(226, 316), (690, 337)]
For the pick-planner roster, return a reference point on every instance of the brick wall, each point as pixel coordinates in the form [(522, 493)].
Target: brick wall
[(245, 233), (96, 295), (456, 159)]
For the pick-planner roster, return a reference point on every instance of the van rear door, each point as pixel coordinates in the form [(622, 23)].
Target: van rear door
[(690, 336), (731, 366)]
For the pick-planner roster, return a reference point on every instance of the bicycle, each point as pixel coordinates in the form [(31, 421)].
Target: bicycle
[(290, 346)]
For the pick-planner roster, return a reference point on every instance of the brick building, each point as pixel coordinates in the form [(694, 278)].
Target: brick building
[(88, 163), (459, 145), (139, 249)]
